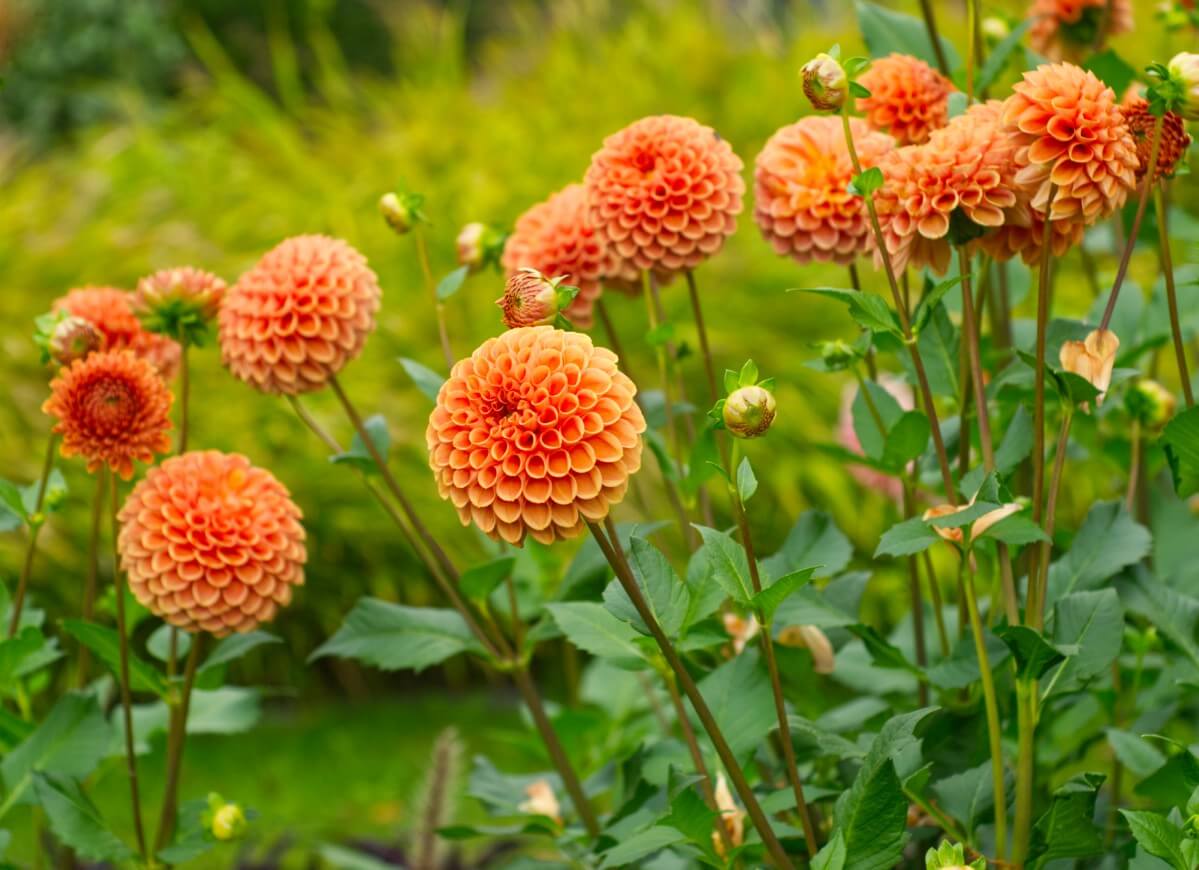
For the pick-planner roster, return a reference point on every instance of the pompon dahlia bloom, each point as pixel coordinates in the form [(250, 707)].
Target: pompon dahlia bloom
[(211, 543), (535, 433), (1071, 29), (296, 318), (112, 408), (179, 302), (1174, 138), (801, 201), (556, 237), (964, 169), (1070, 134), (1023, 234), (664, 194), (111, 311), (908, 98)]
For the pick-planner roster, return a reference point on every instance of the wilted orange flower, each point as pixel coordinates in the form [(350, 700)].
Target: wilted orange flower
[(1092, 358), (964, 168), (535, 433), (977, 528), (802, 203), (1070, 134), (815, 641), (211, 543), (111, 311), (664, 193), (1174, 138), (541, 801), (1071, 29), (908, 98), (740, 629), (731, 816), (296, 318), (112, 408), (556, 237)]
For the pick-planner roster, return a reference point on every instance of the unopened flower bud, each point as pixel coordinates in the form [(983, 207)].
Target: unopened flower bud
[(815, 641), (825, 83), (837, 355), (399, 212), (470, 246), (749, 411), (179, 303), (228, 822), (1184, 70), (530, 299), (74, 338), (1150, 403), (995, 29)]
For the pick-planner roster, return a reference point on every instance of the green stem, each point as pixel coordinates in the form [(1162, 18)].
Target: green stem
[(176, 738), (422, 254), (930, 23), (93, 572), (184, 394), (697, 312), (1026, 723), (1180, 353), (36, 521)]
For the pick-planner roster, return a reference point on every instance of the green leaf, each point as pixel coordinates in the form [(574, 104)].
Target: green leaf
[(872, 818), (1111, 69), (395, 637), (592, 628), (105, 643), (867, 182), (938, 345), (1158, 836), (906, 440), (928, 302), (1134, 752), (728, 563), (873, 441), (998, 57), (1067, 829), (425, 379), (1017, 442), (76, 821), (25, 653), (869, 311), (1108, 541), (813, 540), (905, 538), (968, 796), (358, 455), (748, 375), (235, 646), (1174, 614), (832, 856), (451, 283), (10, 498), (1034, 656), (1016, 531), (961, 668), (1173, 783), (70, 741), (885, 31), (158, 644), (964, 517), (1093, 622), (640, 845), (1181, 441), (883, 653), (747, 483), (739, 696), (479, 581), (768, 600), (668, 598), (690, 816)]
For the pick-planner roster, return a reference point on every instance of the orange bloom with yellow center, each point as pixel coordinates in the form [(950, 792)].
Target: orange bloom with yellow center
[(556, 237), (1070, 136), (908, 98), (211, 543), (1072, 29), (296, 318), (1174, 138), (535, 433), (963, 172), (664, 194), (112, 408), (111, 311), (801, 201)]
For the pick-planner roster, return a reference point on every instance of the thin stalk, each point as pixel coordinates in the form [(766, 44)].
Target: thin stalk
[(991, 704), (930, 23), (1143, 200), (36, 521), (697, 312), (1055, 483), (856, 283), (917, 600), (926, 393), (118, 583), (934, 589), (1026, 724), (614, 338), (184, 393), (651, 313), (93, 572), (422, 254), (176, 738), (1180, 353), (971, 47), (1134, 466), (625, 576)]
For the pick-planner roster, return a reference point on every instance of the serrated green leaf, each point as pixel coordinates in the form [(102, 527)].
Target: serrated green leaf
[(70, 741), (1016, 531), (738, 694), (1181, 441), (728, 563), (1158, 836), (105, 643), (396, 637), (668, 598), (1067, 829), (1092, 621), (747, 482), (768, 600), (235, 646), (641, 845), (76, 821), (592, 628), (479, 581), (903, 539), (1108, 541), (832, 856), (906, 440), (1034, 656), (813, 540)]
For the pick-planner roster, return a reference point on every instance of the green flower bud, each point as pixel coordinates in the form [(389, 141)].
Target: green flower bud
[(1150, 403), (837, 355), (1184, 72), (749, 412), (825, 83), (228, 822), (400, 210)]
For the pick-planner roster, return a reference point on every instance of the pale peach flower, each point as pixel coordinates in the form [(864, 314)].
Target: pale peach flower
[(908, 98), (1093, 358), (815, 641), (740, 629), (1070, 29), (542, 801)]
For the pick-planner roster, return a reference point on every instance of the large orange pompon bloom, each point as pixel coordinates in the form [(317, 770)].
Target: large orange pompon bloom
[(296, 318), (1070, 134), (111, 311), (961, 179), (801, 201), (211, 543), (1174, 139), (664, 194), (534, 434), (908, 98), (112, 408), (556, 237), (1072, 29)]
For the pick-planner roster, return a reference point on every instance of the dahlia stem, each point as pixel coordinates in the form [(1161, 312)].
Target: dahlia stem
[(625, 575), (93, 571), (1026, 725), (184, 393), (1055, 483), (1147, 185), (176, 738), (35, 521), (871, 405), (856, 283), (1134, 466), (422, 254), (1180, 353), (917, 600), (909, 339), (613, 337), (971, 47), (118, 583), (991, 705), (651, 310), (698, 313), (930, 23)]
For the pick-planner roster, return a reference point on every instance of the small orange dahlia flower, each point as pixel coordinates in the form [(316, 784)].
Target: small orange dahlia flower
[(801, 201), (908, 98), (179, 302), (112, 408), (296, 318), (664, 194), (556, 237), (535, 433), (1070, 135), (211, 543), (1174, 138), (1023, 233), (111, 311), (1072, 29)]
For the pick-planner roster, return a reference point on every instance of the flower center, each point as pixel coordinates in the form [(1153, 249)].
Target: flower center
[(645, 161)]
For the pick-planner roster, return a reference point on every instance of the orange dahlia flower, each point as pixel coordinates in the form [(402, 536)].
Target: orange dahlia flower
[(111, 311), (1023, 234), (664, 193), (535, 433), (801, 201), (1072, 29), (908, 98), (556, 237), (296, 318), (964, 169), (1070, 134), (179, 302), (112, 408), (211, 543), (1174, 138)]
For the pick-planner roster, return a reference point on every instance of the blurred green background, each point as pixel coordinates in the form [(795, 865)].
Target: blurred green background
[(141, 134)]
